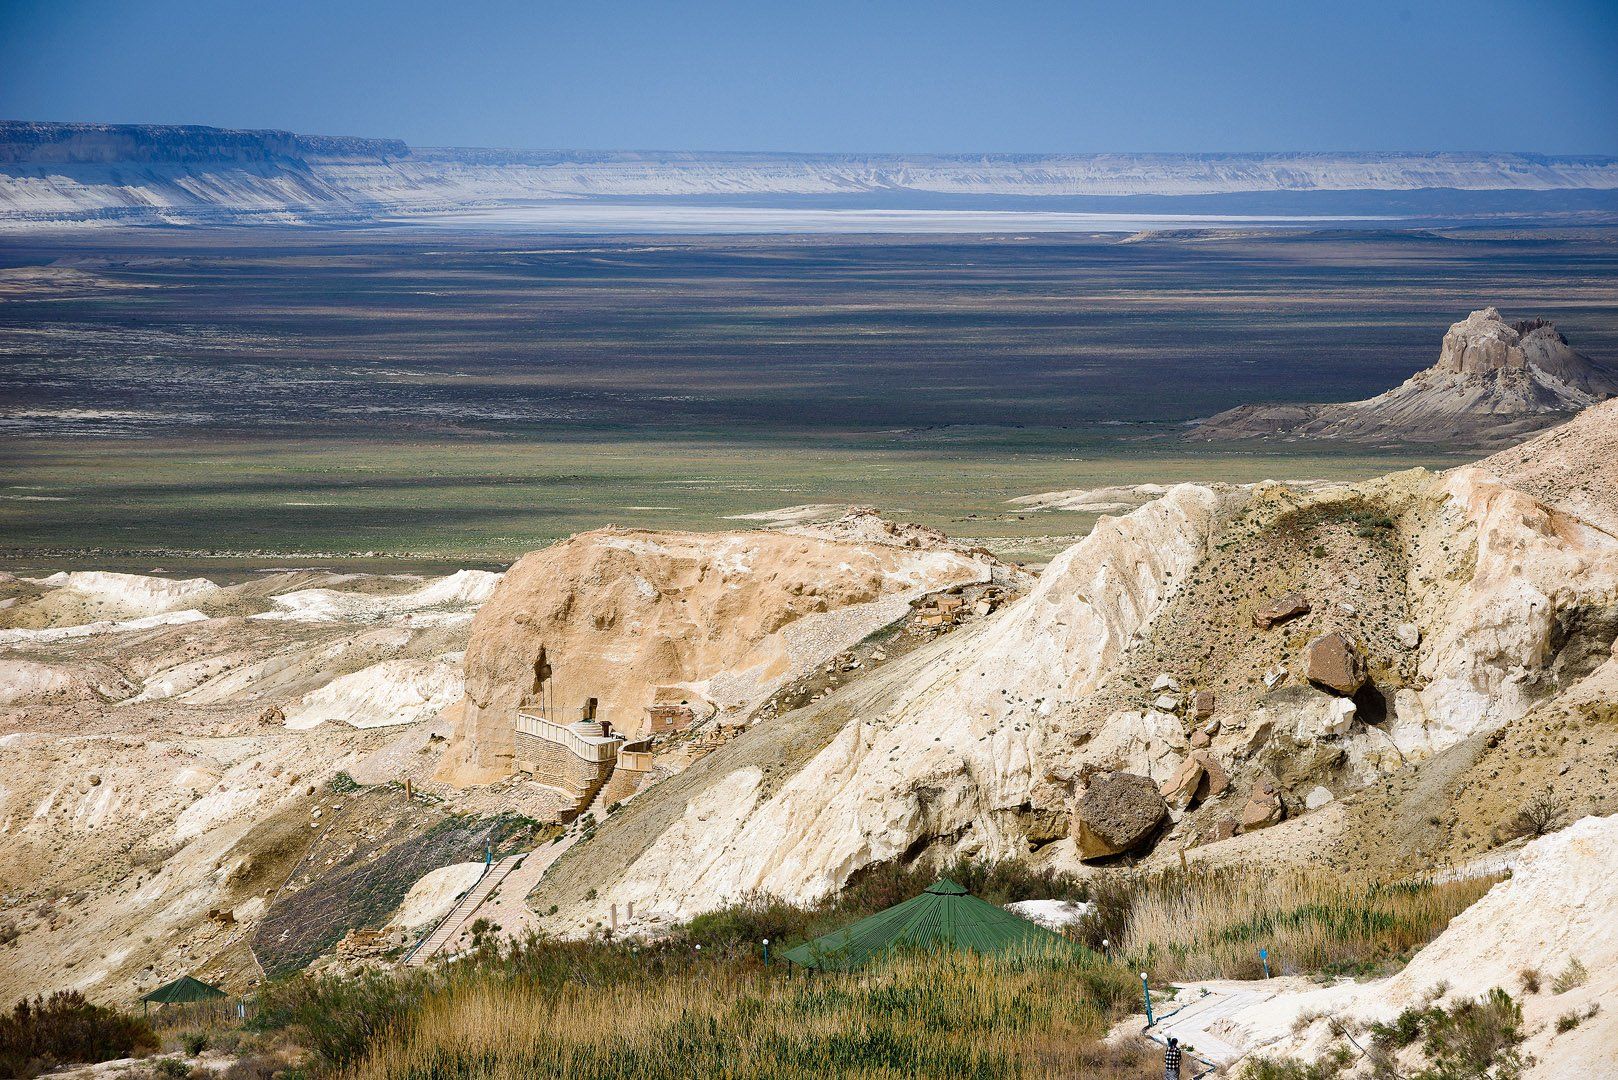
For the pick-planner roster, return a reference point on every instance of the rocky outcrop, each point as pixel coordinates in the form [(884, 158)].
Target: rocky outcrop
[(717, 621), (1119, 814), (1562, 468), (1535, 608), (954, 752), (1494, 383)]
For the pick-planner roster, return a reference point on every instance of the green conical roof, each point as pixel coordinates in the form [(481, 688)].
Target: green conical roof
[(946, 915), (185, 988)]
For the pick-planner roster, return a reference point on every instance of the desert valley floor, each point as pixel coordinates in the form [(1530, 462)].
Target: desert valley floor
[(464, 397)]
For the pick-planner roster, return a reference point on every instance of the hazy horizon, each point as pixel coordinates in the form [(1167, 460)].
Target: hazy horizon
[(947, 78)]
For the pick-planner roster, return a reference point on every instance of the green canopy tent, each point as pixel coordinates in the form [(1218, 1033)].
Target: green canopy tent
[(183, 989), (944, 915)]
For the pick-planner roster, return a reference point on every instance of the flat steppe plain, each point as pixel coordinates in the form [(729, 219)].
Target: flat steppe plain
[(227, 400)]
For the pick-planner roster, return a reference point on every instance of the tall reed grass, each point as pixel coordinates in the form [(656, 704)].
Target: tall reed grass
[(617, 1009), (955, 1015), (1211, 923)]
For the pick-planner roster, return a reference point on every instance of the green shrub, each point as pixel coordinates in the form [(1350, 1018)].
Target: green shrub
[(1403, 1030), (1474, 1038), (195, 1042), (46, 1032), (336, 1018)]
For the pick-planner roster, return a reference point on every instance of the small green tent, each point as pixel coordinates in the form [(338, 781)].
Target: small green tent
[(183, 989), (945, 914)]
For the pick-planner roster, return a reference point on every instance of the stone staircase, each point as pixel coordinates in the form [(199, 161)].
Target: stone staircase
[(463, 910)]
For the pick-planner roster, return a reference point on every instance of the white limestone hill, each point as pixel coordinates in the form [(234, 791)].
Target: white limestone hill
[(1479, 610), (1494, 383)]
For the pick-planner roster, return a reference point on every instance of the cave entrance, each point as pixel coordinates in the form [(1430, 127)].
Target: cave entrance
[(538, 696)]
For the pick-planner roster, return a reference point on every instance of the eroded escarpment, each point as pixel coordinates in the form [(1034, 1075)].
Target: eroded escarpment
[(1459, 607)]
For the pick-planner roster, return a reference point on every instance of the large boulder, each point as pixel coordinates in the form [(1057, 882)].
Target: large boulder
[(1215, 781), (1335, 663), (630, 618), (1119, 813)]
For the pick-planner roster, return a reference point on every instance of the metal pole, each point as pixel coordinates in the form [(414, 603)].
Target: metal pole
[(766, 952), (1264, 957), (1147, 990)]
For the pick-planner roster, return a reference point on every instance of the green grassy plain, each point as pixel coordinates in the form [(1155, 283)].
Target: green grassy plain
[(247, 502), (241, 398)]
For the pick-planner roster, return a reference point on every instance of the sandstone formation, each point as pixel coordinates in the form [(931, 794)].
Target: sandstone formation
[(1494, 383), (1335, 663), (712, 622), (148, 749), (1120, 813), (151, 778), (958, 740), (1556, 467)]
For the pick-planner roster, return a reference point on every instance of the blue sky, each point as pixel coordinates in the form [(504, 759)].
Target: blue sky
[(813, 76)]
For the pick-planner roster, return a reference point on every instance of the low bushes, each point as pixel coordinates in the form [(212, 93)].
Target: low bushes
[(49, 1031)]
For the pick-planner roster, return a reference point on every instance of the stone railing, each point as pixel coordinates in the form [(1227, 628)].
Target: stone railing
[(596, 749)]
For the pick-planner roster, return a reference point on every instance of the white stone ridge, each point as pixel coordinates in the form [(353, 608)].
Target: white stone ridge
[(44, 636), (954, 750), (1489, 646), (135, 595), (461, 592), (402, 691)]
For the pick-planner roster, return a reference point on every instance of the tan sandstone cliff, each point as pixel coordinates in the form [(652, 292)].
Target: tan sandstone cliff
[(630, 618)]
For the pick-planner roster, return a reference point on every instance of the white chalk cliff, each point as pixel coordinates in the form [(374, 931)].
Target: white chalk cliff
[(139, 173)]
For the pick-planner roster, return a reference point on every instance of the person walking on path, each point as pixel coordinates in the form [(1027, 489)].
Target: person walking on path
[(1171, 1060)]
